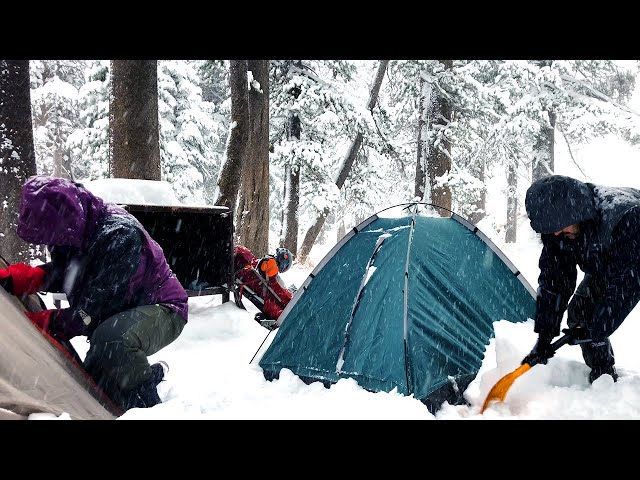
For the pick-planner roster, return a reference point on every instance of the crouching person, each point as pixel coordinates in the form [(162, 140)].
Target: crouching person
[(260, 279), (122, 293)]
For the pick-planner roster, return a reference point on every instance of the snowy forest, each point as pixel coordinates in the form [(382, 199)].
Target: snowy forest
[(300, 148)]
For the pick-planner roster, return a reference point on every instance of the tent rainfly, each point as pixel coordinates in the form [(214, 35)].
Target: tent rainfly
[(406, 301)]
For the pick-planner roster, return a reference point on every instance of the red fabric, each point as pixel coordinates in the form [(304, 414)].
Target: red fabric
[(26, 279), (4, 273), (272, 308), (243, 258), (41, 319)]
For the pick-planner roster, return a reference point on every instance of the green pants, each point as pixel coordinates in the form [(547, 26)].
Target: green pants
[(117, 357)]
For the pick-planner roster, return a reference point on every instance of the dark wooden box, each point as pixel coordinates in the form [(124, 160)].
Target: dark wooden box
[(197, 242)]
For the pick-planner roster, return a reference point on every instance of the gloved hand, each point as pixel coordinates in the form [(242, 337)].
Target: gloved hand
[(541, 352), (42, 319), (578, 334), (21, 279)]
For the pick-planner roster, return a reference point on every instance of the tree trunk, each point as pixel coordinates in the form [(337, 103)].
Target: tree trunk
[(480, 205), (17, 154), (61, 161), (252, 214), (438, 161), (230, 173), (292, 184), (289, 238), (133, 120), (512, 205), (342, 230), (314, 230), (543, 161), (419, 185)]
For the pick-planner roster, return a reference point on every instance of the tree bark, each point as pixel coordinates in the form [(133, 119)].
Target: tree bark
[(543, 161), (230, 174), (438, 162), (17, 154), (316, 227), (342, 230), (512, 205), (133, 120), (292, 184), (419, 185), (480, 205), (252, 214)]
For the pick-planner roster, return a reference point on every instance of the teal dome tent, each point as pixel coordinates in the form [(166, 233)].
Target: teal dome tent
[(406, 301)]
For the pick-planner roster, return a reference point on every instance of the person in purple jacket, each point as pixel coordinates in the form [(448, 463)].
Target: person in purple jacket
[(122, 293)]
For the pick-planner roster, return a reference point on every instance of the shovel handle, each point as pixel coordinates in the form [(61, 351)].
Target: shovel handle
[(563, 340)]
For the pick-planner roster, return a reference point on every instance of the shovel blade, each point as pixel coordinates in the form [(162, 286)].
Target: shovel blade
[(500, 389)]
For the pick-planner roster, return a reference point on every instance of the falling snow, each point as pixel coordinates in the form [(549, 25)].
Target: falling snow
[(212, 375)]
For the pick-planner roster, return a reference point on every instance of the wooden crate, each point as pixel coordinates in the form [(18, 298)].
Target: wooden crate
[(197, 242)]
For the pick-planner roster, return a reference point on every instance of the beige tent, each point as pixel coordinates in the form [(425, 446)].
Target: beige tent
[(36, 376)]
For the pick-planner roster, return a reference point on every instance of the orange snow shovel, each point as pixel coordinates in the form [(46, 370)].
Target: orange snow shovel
[(500, 389)]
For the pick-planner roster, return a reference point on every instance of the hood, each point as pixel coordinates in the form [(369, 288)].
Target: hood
[(57, 211), (556, 201)]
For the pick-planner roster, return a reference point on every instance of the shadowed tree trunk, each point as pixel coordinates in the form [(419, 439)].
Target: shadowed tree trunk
[(289, 238), (543, 161), (512, 205), (61, 163), (438, 161), (17, 154), (480, 205), (252, 214), (542, 164), (342, 230), (133, 120), (230, 173), (421, 148), (314, 230)]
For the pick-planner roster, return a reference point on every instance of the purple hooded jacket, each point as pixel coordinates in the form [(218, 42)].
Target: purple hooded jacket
[(102, 257)]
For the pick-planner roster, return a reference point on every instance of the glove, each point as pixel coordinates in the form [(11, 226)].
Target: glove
[(542, 351), (578, 334), (21, 279)]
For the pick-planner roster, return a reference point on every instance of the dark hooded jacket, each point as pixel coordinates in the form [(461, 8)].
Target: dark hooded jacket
[(101, 256), (608, 250)]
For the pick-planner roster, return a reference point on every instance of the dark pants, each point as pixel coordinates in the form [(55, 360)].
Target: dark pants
[(597, 355), (117, 357)]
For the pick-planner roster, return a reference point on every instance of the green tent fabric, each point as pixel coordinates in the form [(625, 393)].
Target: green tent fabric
[(405, 301)]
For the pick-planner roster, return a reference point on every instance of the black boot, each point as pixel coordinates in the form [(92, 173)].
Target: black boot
[(598, 372), (146, 395), (599, 357)]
